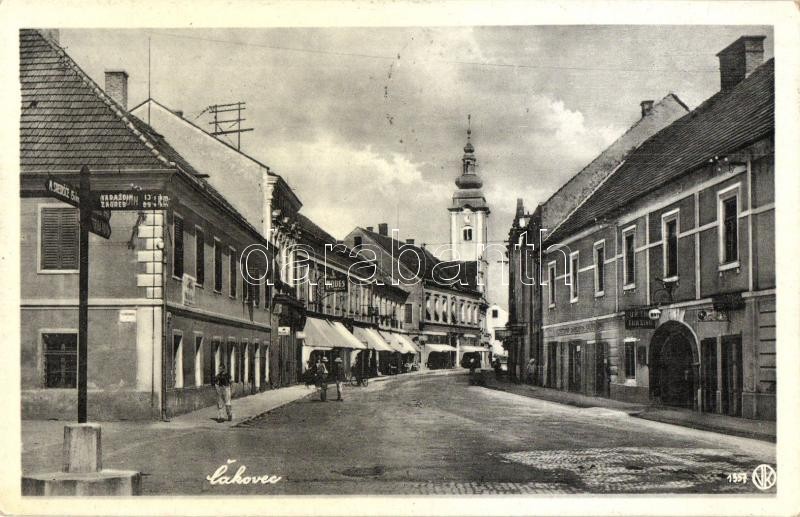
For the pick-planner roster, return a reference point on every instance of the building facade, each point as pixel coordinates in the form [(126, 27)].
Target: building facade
[(166, 305), (660, 286), (444, 311), (529, 229)]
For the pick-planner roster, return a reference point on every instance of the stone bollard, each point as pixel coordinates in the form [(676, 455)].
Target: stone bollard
[(82, 470), (82, 448)]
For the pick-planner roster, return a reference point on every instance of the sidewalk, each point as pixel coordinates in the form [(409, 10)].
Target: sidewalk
[(758, 429)]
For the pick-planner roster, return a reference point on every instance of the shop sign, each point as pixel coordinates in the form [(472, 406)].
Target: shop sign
[(502, 334), (639, 318), (728, 302), (575, 329), (336, 285), (188, 284), (284, 331)]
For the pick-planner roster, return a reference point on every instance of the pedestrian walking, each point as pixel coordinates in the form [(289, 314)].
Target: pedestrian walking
[(530, 371), (222, 383), (338, 376), (322, 379)]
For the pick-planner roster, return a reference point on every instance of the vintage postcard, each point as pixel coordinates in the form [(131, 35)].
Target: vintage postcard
[(445, 258)]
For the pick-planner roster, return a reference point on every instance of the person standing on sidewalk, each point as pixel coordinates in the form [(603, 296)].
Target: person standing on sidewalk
[(223, 386), (322, 379), (338, 376)]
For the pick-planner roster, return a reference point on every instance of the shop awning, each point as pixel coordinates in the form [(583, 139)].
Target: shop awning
[(410, 343), (372, 339), (319, 334), (470, 335), (404, 346), (434, 333), (440, 348), (470, 348), (393, 342), (348, 340)]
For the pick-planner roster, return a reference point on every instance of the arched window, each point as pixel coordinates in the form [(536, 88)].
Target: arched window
[(467, 233)]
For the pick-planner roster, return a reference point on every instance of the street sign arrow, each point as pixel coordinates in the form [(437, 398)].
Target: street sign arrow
[(63, 191), (130, 200)]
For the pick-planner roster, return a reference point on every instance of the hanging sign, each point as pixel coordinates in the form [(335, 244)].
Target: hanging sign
[(639, 318), (98, 223)]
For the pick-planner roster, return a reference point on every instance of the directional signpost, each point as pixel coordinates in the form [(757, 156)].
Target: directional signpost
[(98, 220), (95, 212)]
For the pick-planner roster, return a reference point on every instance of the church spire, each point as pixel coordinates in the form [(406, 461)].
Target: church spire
[(469, 178)]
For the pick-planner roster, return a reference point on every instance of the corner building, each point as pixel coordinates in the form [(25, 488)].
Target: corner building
[(660, 286)]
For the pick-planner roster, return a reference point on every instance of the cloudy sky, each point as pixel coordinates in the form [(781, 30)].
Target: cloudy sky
[(368, 125)]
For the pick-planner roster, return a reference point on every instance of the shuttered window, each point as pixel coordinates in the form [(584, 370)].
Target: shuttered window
[(233, 276), (200, 257), (177, 247), (59, 239), (217, 266)]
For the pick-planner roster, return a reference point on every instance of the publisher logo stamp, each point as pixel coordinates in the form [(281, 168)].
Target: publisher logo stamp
[(764, 477)]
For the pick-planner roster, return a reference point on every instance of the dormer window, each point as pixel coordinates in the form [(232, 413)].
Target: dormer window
[(467, 233)]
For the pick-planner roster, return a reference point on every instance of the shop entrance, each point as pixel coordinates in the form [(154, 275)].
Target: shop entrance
[(601, 377), (552, 365), (672, 365), (732, 375), (575, 367), (709, 380)]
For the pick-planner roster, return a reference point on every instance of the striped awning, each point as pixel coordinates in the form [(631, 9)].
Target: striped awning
[(372, 339), (318, 334), (348, 339)]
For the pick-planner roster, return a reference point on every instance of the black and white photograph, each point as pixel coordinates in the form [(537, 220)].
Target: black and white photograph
[(387, 263)]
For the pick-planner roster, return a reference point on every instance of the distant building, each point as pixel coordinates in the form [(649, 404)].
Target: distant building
[(445, 310), (496, 320)]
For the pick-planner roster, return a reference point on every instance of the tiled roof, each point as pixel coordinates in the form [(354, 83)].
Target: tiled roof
[(467, 270), (68, 121), (727, 121), (320, 237)]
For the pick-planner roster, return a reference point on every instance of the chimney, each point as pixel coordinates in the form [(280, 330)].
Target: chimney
[(410, 241), (647, 107), (383, 229), (370, 228), (51, 34), (739, 59), (117, 86)]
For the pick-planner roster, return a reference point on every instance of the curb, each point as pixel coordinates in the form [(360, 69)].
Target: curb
[(642, 413), (753, 435)]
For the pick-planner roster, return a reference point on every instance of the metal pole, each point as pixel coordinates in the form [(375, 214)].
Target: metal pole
[(83, 291)]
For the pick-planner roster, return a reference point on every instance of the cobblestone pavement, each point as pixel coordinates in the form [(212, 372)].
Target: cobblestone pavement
[(429, 435)]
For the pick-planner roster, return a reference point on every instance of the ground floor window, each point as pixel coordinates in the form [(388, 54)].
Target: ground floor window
[(60, 360)]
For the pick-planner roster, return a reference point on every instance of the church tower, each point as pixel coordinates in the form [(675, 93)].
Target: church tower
[(469, 212)]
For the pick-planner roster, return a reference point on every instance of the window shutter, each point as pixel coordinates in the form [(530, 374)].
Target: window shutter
[(200, 257), (177, 253), (59, 238)]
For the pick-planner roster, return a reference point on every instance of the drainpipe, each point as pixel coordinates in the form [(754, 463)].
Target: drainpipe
[(164, 321)]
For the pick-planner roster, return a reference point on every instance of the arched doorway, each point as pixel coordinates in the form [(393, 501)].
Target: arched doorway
[(673, 361)]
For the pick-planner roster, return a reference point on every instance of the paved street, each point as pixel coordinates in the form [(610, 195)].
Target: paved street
[(428, 434)]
